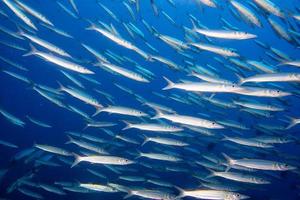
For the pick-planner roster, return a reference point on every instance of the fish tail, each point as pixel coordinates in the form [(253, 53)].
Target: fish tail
[(240, 79), (70, 140), (129, 194), (293, 122), (32, 51), (145, 140), (128, 125), (229, 160), (99, 110), (92, 26), (181, 192), (158, 114), (170, 84), (211, 174), (61, 87), (76, 161)]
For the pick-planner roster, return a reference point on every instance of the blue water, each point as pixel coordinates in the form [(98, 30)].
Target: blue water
[(20, 100)]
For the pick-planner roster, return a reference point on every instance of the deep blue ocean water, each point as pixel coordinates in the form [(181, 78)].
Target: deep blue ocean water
[(20, 99)]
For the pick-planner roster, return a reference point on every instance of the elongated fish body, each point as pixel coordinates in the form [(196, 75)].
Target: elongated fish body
[(19, 13), (45, 44), (259, 164), (30, 193), (216, 49), (34, 13), (246, 13), (122, 111), (124, 72), (295, 63), (158, 156), (8, 144), (203, 87), (248, 142), (258, 106), (53, 149), (151, 194), (279, 29), (262, 92), (87, 145), (225, 34), (38, 122), (12, 118), (97, 187), (240, 177), (165, 141), (211, 194), (153, 127), (273, 77), (209, 3), (189, 120), (60, 61), (81, 96), (113, 37), (107, 160), (210, 79), (270, 7)]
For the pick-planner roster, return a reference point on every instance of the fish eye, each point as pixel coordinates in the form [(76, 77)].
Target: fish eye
[(278, 91)]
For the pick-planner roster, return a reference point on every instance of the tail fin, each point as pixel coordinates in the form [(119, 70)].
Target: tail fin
[(158, 114), (129, 194), (181, 192), (145, 140), (194, 25), (61, 87), (92, 26), (229, 160), (76, 161), (293, 122), (240, 79), (211, 174), (70, 140), (128, 125), (225, 137), (32, 51), (99, 110), (170, 84), (20, 31)]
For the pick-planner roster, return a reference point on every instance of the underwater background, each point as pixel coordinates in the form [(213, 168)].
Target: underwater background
[(21, 100)]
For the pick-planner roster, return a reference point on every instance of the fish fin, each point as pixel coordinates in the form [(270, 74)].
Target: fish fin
[(61, 87), (293, 122), (128, 125), (181, 192), (212, 96), (130, 194), (194, 25), (92, 25), (240, 79), (170, 84), (76, 161), (229, 161), (158, 114), (145, 140), (225, 138), (32, 51), (211, 174), (70, 140), (20, 31), (139, 154), (98, 110)]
